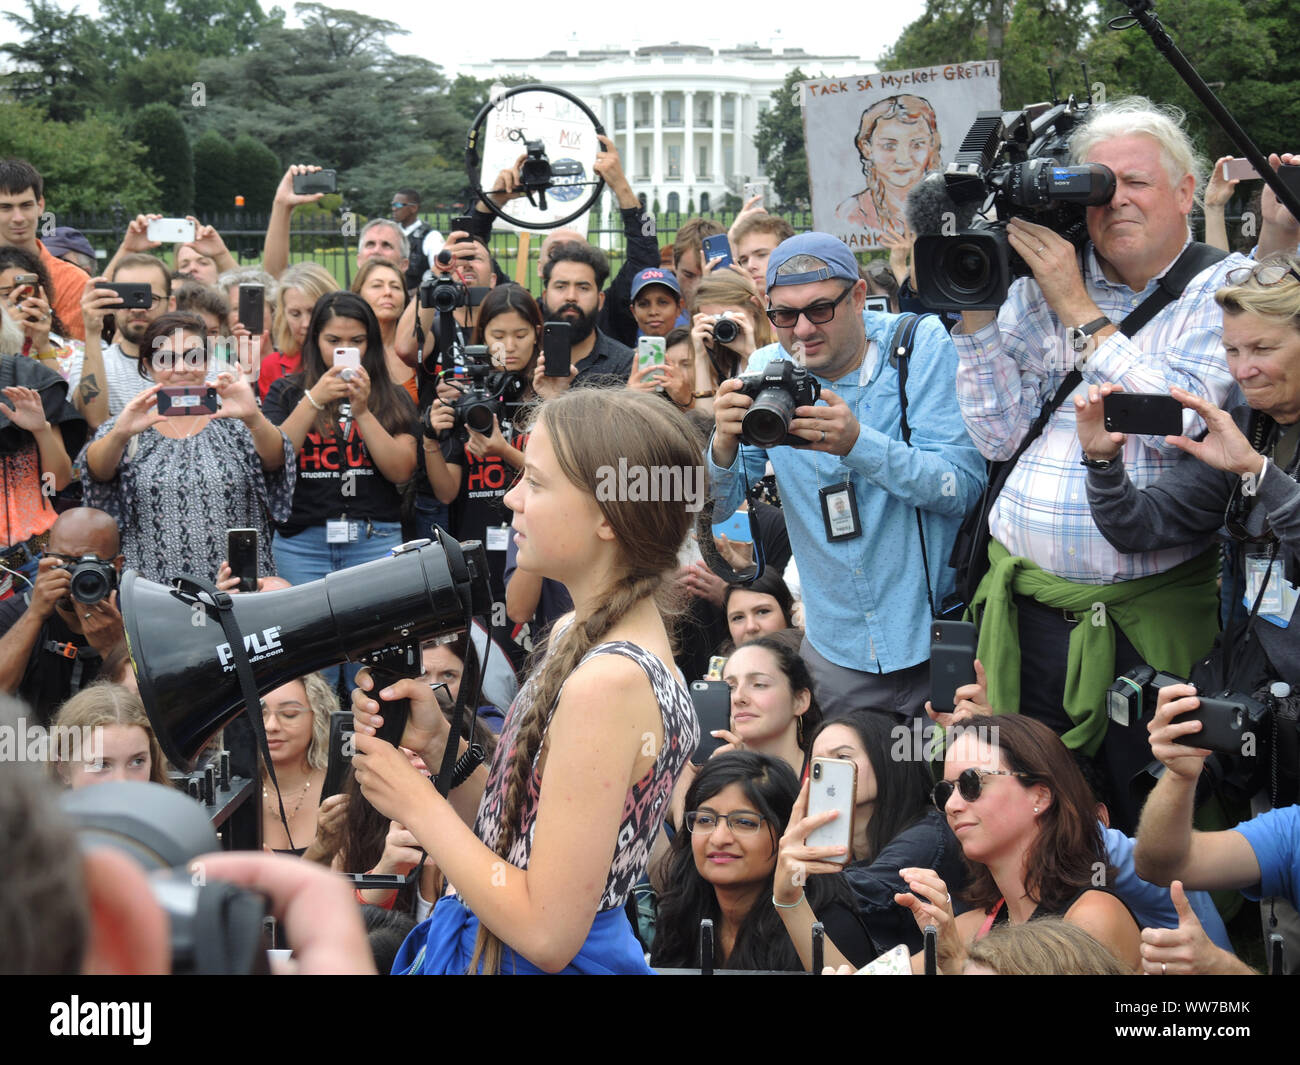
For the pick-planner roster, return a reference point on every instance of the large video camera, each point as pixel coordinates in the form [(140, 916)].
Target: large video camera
[(486, 395), (1013, 164)]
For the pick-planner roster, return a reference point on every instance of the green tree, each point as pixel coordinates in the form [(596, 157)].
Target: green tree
[(202, 27), (259, 172), (87, 165), (157, 77), (159, 131), (59, 65), (780, 143), (216, 179)]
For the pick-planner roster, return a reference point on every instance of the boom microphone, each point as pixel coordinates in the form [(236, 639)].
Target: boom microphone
[(943, 203), (377, 613)]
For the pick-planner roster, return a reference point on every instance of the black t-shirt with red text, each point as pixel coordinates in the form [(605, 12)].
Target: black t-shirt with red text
[(333, 481), (480, 504)]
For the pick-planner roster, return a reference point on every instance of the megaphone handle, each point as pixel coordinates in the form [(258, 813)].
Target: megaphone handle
[(394, 712)]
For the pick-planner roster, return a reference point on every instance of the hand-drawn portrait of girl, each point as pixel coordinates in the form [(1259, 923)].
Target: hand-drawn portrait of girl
[(898, 143)]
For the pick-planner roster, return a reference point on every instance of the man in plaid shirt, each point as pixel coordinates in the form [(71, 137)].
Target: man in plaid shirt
[(1062, 577)]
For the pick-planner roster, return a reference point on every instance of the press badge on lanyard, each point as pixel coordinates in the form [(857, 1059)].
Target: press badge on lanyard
[(1278, 603), (341, 530)]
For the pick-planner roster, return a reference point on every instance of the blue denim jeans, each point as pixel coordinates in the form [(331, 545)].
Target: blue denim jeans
[(307, 557), (428, 513)]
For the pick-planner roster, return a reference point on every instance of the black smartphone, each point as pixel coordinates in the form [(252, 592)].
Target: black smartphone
[(320, 181), (878, 303), (712, 699), (340, 753), (952, 661), (131, 294), (462, 223), (1225, 724), (1290, 175), (557, 347), (252, 308), (183, 401), (1143, 414), (716, 246), (241, 554)]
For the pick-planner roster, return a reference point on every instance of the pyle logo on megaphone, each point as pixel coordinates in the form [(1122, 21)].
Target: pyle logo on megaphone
[(258, 645)]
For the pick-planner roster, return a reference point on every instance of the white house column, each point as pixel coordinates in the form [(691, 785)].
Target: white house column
[(715, 164), (737, 153), (629, 156), (688, 148), (657, 163)]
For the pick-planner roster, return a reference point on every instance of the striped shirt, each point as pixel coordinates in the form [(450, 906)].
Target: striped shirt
[(1009, 369)]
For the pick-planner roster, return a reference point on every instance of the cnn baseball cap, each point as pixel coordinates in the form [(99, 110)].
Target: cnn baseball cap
[(830, 250), (656, 276)]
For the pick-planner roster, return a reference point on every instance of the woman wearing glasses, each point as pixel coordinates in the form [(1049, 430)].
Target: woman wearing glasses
[(1242, 474), (176, 484), (722, 868), (1027, 824)]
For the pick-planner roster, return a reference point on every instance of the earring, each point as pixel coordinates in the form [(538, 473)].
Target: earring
[(1035, 809)]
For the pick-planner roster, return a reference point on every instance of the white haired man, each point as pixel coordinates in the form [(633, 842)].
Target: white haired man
[(1062, 612)]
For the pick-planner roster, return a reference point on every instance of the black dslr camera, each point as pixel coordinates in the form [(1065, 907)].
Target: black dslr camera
[(443, 293), (482, 401), (776, 392), (1013, 163), (93, 579)]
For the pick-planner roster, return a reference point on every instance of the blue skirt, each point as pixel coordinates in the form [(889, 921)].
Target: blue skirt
[(443, 944)]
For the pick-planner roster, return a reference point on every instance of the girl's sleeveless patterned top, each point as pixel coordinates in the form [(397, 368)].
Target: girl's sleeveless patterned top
[(646, 804)]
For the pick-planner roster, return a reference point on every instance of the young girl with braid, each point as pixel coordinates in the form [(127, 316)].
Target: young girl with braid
[(565, 816)]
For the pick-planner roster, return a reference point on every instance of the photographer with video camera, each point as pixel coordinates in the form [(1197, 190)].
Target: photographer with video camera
[(473, 447), (1061, 611), (852, 483), (56, 635)]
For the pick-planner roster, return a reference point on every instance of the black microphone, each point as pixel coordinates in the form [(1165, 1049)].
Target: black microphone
[(932, 209), (444, 257)]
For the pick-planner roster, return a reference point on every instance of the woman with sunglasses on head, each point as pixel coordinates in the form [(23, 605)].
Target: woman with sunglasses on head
[(722, 867), (1027, 824), (1242, 474), (177, 484)]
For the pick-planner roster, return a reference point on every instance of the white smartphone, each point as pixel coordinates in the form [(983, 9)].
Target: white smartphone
[(649, 352), (348, 359), (171, 230), (896, 962), (751, 189), (833, 785), (1239, 170)]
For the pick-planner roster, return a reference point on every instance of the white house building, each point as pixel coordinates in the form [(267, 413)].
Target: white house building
[(684, 116)]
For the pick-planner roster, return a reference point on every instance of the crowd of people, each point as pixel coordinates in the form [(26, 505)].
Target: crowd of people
[(591, 827)]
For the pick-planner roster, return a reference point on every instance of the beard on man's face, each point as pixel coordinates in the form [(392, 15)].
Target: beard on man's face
[(581, 325)]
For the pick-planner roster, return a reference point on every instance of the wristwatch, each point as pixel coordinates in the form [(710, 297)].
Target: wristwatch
[(1078, 334)]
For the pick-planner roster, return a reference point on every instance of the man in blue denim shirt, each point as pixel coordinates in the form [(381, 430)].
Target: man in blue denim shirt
[(851, 495)]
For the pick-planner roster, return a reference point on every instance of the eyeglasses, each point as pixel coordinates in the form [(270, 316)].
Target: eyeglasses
[(741, 823), (968, 782), (1265, 274), (398, 203), (817, 313)]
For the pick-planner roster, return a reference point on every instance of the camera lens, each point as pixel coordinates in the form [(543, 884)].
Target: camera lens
[(725, 330), (767, 422), (92, 581), (478, 416)]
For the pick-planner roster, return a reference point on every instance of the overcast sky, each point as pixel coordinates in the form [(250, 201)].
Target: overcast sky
[(541, 28)]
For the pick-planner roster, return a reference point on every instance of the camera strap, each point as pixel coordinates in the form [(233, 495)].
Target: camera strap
[(900, 350), (222, 603)]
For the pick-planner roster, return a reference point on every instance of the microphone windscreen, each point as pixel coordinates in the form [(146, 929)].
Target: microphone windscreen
[(929, 206)]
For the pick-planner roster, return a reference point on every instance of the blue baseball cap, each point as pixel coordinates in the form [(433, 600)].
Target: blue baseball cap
[(65, 239), (830, 250), (656, 276)]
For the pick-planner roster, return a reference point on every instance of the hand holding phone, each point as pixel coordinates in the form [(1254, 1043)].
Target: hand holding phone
[(717, 247), (833, 785), (347, 360), (557, 349), (241, 556), (316, 181)]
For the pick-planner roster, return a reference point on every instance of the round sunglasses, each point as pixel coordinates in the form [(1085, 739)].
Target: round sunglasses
[(968, 782)]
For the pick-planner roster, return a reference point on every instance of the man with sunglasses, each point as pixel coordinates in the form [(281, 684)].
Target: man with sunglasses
[(52, 645), (867, 587), (103, 380), (425, 241)]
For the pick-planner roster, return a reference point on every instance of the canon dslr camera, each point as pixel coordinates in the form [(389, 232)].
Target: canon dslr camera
[(776, 392)]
